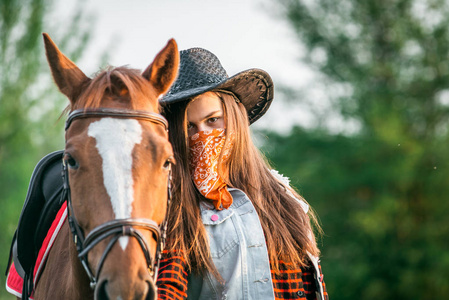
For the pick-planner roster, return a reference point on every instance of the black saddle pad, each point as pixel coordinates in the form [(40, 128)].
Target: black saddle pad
[(42, 203)]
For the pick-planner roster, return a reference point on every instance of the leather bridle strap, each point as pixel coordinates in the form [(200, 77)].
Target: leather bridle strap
[(115, 113), (119, 228)]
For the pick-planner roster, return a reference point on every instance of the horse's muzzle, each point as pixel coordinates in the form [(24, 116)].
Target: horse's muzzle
[(145, 290)]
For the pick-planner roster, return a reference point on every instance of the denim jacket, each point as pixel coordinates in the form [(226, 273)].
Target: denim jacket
[(239, 252)]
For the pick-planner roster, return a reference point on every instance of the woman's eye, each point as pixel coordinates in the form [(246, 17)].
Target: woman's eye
[(212, 120), (189, 126)]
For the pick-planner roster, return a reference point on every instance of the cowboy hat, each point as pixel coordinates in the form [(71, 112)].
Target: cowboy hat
[(200, 71)]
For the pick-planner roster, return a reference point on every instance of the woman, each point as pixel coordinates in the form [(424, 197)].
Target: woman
[(237, 230)]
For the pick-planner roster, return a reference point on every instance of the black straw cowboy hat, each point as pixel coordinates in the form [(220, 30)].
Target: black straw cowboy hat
[(200, 71)]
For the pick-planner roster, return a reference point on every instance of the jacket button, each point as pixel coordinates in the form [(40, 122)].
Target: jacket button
[(214, 218), (300, 293)]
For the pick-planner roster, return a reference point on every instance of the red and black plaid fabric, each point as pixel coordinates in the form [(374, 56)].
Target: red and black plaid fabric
[(289, 284), (172, 277), (296, 284)]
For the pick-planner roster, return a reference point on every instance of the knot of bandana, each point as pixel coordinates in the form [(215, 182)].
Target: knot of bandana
[(205, 150)]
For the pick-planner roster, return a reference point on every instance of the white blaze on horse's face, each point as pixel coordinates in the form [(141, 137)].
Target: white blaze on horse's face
[(116, 139)]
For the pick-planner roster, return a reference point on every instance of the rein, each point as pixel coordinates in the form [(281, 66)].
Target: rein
[(119, 227)]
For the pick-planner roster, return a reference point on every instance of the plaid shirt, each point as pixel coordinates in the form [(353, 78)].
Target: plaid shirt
[(289, 284)]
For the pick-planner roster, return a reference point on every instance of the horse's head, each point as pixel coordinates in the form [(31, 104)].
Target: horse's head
[(117, 160)]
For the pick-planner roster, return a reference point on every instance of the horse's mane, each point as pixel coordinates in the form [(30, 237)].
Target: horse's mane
[(121, 83)]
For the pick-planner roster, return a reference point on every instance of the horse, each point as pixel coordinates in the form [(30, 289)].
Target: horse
[(117, 162)]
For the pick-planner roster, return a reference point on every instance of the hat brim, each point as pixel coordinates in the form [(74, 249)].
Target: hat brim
[(254, 88)]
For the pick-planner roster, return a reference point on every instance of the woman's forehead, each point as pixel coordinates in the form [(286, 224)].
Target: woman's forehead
[(204, 104)]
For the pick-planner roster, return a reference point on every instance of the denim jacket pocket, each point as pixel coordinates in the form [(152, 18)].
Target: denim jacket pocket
[(214, 217), (221, 230)]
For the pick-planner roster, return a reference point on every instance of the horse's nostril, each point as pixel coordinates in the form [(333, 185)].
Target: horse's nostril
[(151, 295), (101, 293)]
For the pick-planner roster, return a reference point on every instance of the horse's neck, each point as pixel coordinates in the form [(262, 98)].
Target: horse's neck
[(63, 276)]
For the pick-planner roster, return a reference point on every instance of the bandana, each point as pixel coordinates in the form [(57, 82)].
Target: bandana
[(205, 150)]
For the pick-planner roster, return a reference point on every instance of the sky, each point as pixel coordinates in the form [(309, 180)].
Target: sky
[(244, 34)]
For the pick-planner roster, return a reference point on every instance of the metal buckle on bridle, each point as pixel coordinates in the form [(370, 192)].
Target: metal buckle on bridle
[(119, 227)]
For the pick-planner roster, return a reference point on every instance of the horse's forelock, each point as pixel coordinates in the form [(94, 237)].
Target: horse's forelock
[(110, 83)]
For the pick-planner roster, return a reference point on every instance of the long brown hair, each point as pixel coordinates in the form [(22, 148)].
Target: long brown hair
[(286, 226)]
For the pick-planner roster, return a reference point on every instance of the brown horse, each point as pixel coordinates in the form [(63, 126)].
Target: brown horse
[(117, 161)]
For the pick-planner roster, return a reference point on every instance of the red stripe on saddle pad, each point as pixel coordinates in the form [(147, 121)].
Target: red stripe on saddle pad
[(14, 282)]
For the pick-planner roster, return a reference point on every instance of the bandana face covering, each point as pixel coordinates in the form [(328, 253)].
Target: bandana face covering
[(205, 150)]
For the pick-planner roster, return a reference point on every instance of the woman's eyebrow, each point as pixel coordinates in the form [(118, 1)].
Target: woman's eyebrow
[(211, 114)]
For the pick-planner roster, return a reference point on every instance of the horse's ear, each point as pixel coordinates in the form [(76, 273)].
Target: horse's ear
[(164, 69), (67, 75)]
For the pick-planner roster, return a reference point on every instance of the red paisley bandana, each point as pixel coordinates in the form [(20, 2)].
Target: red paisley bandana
[(205, 150)]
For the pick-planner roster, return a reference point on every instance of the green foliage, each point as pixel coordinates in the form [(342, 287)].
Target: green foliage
[(30, 104), (381, 193), (383, 213)]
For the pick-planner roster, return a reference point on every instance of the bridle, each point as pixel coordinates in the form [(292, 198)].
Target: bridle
[(119, 227)]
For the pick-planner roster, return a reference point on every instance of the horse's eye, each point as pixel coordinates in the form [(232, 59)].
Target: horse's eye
[(71, 162), (168, 163)]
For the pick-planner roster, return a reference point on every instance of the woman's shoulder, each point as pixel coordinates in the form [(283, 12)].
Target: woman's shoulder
[(285, 181)]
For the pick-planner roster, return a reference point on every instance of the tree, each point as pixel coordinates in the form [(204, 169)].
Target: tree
[(29, 102), (381, 192)]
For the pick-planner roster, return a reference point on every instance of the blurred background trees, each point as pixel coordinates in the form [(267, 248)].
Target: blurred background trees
[(30, 104), (381, 188)]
